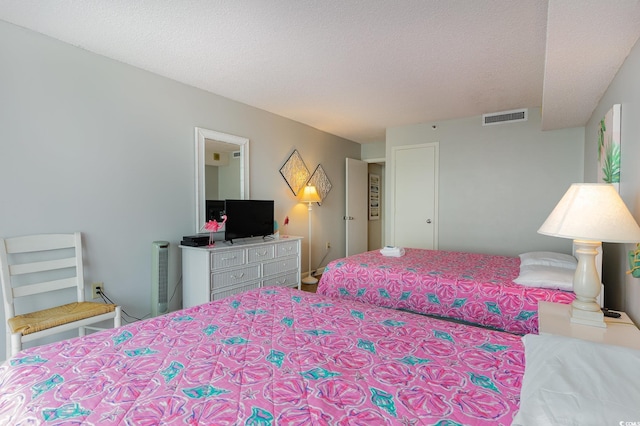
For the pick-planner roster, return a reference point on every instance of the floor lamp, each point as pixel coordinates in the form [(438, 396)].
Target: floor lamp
[(310, 195), (590, 213)]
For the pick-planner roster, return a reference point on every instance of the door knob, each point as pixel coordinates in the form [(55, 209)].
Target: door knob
[(428, 220)]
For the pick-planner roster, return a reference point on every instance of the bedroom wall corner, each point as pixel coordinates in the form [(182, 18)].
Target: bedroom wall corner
[(621, 289)]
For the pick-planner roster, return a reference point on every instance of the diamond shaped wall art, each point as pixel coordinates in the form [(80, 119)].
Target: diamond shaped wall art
[(321, 181), (295, 172)]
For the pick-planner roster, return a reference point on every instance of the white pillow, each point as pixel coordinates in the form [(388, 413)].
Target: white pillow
[(542, 276), (548, 258), (569, 381)]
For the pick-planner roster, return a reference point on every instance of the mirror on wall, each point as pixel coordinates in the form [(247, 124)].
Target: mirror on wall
[(222, 169)]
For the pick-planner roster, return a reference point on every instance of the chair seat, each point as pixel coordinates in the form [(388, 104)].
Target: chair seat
[(53, 317)]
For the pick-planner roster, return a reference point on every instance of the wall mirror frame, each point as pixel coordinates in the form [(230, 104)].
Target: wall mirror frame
[(201, 137)]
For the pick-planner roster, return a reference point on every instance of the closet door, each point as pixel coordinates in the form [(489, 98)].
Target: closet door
[(415, 196)]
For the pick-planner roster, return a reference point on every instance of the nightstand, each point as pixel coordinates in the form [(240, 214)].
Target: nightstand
[(554, 318)]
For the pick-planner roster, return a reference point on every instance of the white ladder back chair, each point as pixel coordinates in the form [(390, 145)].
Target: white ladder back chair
[(36, 264)]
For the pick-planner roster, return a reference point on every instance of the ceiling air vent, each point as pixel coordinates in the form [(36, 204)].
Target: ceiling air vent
[(504, 117)]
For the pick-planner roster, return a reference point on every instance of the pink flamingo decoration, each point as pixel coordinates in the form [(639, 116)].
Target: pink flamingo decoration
[(213, 226)]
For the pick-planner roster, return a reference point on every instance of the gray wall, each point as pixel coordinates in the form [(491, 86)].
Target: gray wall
[(90, 144), (622, 291), (229, 184), (497, 184), (211, 182)]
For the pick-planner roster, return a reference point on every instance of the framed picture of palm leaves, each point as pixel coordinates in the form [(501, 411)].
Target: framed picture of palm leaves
[(609, 147)]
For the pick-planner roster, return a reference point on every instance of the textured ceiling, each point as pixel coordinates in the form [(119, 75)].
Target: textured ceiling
[(353, 68)]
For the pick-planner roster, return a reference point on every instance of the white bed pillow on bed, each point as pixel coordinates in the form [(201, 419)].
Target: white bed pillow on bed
[(543, 276), (569, 381), (548, 258)]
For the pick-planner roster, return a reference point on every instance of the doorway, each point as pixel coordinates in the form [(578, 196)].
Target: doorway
[(375, 228), (364, 231)]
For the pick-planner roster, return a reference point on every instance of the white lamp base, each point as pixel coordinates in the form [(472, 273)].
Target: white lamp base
[(310, 279), (594, 319), (586, 285)]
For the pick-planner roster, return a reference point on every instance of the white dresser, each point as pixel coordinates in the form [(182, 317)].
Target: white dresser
[(213, 273)]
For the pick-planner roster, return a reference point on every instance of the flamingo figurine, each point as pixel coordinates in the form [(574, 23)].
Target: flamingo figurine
[(213, 226)]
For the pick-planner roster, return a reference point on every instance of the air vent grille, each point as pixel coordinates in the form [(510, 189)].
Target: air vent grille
[(504, 117)]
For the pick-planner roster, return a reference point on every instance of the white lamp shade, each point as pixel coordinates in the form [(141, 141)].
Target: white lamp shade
[(310, 195), (592, 211)]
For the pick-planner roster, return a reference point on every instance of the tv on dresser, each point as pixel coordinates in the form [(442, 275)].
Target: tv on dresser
[(248, 218)]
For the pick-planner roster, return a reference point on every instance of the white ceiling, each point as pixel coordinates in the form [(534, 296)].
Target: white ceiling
[(355, 67)]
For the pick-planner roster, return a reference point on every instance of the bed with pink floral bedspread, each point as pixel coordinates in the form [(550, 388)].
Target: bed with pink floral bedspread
[(472, 287), (270, 356)]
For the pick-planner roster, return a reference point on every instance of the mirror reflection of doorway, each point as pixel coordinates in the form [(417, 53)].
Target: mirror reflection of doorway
[(221, 170)]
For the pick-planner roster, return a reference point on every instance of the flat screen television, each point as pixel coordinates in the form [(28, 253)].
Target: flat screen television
[(248, 218)]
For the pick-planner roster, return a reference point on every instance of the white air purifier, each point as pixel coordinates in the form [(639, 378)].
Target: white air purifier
[(159, 278)]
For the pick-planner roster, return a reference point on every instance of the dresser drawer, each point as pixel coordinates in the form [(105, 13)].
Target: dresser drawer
[(260, 254), (286, 249), (280, 266), (288, 280), (235, 276), (228, 291), (227, 258)]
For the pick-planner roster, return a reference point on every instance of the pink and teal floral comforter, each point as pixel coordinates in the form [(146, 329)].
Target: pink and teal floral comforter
[(477, 288), (270, 356)]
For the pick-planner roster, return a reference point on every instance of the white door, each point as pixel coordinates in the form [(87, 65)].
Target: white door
[(415, 196), (356, 214)]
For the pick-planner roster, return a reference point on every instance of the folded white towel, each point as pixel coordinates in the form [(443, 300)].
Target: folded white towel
[(392, 251)]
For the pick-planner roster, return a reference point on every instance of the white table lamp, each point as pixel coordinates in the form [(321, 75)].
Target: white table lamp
[(310, 195), (590, 213)]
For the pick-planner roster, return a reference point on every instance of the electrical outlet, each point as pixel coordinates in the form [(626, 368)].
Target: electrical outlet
[(328, 245), (94, 290)]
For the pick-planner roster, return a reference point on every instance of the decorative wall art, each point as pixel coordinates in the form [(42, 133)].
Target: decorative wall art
[(374, 197), (609, 147), (295, 172), (321, 181)]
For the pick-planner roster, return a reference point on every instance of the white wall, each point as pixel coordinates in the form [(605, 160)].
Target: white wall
[(373, 150), (622, 291), (497, 183), (94, 145)]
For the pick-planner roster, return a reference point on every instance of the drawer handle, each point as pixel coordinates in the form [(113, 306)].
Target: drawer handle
[(281, 282), (264, 253), (287, 248), (235, 277), (228, 258)]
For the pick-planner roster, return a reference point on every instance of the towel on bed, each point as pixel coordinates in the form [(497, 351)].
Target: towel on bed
[(392, 251)]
